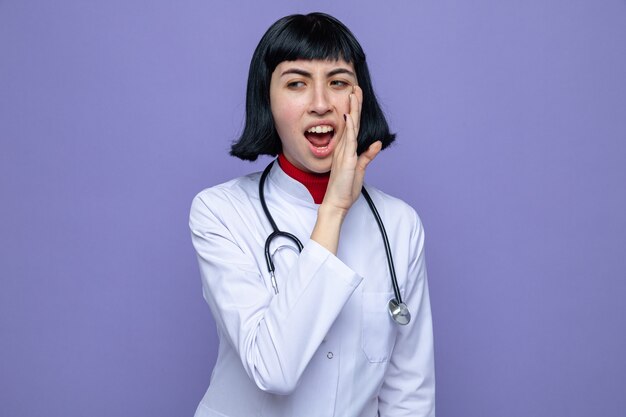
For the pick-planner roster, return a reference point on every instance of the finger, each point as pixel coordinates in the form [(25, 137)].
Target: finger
[(364, 160), (368, 156), (350, 134), (339, 151), (356, 104)]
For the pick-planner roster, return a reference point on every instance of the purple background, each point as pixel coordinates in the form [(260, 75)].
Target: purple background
[(511, 121)]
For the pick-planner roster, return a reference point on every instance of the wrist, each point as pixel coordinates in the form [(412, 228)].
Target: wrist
[(331, 213), (328, 227)]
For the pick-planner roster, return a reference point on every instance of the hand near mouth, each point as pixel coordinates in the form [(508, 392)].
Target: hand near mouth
[(346, 177)]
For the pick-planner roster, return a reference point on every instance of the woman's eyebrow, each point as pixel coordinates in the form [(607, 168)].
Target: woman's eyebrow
[(341, 71), (304, 73), (296, 71)]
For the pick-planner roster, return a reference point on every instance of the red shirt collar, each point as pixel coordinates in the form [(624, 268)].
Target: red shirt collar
[(315, 183)]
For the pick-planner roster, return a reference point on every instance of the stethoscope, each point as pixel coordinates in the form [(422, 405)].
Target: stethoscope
[(397, 309)]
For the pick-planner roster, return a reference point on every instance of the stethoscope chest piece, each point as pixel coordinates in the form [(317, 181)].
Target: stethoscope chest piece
[(399, 312)]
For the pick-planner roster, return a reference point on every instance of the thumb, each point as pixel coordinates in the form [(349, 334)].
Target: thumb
[(368, 156)]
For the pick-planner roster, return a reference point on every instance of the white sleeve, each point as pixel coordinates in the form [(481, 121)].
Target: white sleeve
[(409, 385), (275, 336)]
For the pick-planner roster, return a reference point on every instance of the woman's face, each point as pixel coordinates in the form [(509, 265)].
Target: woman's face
[(308, 99)]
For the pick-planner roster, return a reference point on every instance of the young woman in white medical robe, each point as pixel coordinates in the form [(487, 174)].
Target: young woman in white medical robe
[(318, 340)]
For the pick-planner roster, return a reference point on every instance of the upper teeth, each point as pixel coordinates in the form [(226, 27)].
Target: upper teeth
[(320, 129)]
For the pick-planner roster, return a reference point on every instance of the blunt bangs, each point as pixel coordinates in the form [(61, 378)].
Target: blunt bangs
[(313, 37), (316, 36)]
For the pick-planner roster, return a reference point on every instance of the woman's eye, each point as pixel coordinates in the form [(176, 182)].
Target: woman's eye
[(295, 84), (339, 83)]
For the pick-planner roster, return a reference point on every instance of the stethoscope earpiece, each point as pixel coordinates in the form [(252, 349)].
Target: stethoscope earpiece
[(398, 310)]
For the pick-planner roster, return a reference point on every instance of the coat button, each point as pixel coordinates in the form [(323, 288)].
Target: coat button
[(329, 355)]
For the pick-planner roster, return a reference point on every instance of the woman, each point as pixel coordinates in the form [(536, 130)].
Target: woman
[(315, 337)]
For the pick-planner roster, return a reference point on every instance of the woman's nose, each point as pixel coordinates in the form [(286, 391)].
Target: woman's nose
[(320, 101)]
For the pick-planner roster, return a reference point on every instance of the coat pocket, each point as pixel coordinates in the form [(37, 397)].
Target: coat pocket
[(378, 329)]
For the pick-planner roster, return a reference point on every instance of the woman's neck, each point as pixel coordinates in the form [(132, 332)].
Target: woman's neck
[(315, 183)]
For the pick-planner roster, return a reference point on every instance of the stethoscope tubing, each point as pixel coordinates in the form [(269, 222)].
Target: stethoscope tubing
[(277, 232), (383, 232)]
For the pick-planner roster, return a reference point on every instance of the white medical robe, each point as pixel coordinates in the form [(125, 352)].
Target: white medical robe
[(326, 344)]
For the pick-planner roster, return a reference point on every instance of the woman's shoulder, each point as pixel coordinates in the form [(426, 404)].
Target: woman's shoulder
[(227, 195)]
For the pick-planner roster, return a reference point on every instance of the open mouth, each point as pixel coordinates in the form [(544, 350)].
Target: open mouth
[(320, 136)]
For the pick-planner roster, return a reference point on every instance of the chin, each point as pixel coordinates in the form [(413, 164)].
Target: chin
[(321, 167)]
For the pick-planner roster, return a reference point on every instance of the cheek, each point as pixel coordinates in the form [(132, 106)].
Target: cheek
[(286, 116), (342, 103), (283, 120)]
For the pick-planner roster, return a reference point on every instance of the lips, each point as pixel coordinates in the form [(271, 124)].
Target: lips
[(319, 140), (320, 135)]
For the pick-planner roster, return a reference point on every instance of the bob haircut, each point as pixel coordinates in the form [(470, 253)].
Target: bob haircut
[(313, 36)]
